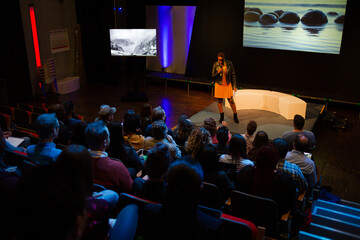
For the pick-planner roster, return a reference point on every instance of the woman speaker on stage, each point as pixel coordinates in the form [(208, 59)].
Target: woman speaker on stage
[(223, 73)]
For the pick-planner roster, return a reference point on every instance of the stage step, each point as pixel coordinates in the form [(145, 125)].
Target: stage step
[(336, 211), (336, 224), (337, 207), (331, 233), (309, 236), (349, 203)]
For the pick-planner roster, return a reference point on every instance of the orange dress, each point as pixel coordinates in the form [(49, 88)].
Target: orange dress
[(224, 90)]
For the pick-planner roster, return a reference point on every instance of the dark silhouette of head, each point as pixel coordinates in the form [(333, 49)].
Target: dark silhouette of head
[(47, 126), (157, 162), (301, 143), (261, 138), (159, 130), (76, 162), (49, 203), (59, 110), (69, 107), (282, 146), (237, 146), (78, 136), (97, 136), (210, 125), (266, 159), (146, 110), (222, 135), (299, 122), (208, 158), (251, 127), (158, 114), (184, 183), (131, 122), (184, 128)]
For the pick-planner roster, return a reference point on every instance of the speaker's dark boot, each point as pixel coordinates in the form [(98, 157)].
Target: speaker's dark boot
[(221, 117), (235, 118)]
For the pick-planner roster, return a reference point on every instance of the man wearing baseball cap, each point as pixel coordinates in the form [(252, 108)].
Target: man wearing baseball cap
[(106, 114)]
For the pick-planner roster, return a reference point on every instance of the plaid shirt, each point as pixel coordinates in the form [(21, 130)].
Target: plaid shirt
[(295, 173)]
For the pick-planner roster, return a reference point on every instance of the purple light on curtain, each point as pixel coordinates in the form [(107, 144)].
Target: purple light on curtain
[(165, 35), (190, 16)]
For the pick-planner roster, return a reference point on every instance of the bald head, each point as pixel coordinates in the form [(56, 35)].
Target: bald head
[(301, 143)]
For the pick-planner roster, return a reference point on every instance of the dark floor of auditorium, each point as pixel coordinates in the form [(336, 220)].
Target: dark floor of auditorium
[(335, 155)]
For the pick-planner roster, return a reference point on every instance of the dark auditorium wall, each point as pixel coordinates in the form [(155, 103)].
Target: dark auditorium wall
[(310, 74), (13, 60), (18, 63)]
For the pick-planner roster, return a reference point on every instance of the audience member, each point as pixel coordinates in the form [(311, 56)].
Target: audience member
[(106, 114), (12, 170), (132, 134), (208, 159), (78, 136), (183, 130), (146, 114), (109, 173), (49, 205), (156, 167), (158, 113), (210, 125), (71, 121), (237, 153), (11, 148), (198, 138), (45, 152), (289, 136), (8, 182), (297, 156), (75, 163), (249, 135), (223, 137), (264, 181), (178, 217), (117, 148), (160, 135), (289, 168), (261, 139), (65, 134)]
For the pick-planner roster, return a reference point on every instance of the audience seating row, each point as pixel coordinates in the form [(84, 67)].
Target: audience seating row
[(232, 226)]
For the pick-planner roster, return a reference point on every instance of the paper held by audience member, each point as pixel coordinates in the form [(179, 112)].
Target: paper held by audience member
[(15, 141)]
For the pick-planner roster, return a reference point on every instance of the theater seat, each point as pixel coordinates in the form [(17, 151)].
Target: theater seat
[(261, 211), (25, 107), (210, 196), (5, 121), (22, 119)]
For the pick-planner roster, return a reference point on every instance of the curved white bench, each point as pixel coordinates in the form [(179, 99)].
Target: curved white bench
[(283, 104)]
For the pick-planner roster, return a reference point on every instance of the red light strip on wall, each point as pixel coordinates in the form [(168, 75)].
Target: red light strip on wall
[(35, 36)]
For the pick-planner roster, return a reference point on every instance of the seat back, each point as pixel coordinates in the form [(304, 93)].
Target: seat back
[(40, 110), (126, 199), (15, 158), (233, 226), (5, 121), (34, 116), (210, 196), (26, 107), (261, 211), (230, 169), (7, 110), (27, 166), (210, 211), (22, 118)]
